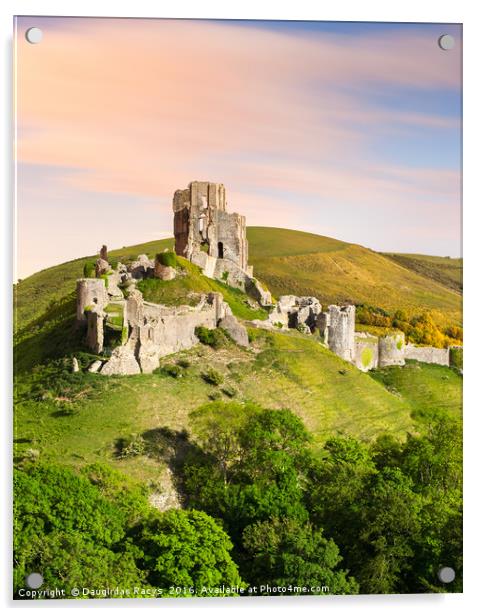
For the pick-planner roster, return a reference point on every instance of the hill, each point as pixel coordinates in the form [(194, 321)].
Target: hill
[(290, 262), (335, 272), (79, 418), (444, 270)]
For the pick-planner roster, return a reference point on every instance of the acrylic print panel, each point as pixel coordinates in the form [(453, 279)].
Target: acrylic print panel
[(238, 345)]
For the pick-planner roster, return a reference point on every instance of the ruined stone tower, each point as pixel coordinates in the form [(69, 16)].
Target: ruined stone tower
[(203, 226), (337, 327)]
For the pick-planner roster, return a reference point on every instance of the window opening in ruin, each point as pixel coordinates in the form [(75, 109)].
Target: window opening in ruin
[(220, 250)]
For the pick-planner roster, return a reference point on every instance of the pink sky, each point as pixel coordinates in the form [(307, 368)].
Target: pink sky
[(335, 132)]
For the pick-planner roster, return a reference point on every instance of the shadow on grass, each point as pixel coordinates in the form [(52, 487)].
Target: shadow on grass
[(172, 447)]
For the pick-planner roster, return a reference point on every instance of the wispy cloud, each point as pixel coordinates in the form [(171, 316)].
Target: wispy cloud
[(141, 108)]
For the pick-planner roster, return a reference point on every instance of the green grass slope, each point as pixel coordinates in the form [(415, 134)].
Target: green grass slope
[(306, 264), (431, 390), (79, 418), (185, 289), (444, 270)]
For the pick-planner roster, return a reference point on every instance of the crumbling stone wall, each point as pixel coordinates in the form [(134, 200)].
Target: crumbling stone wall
[(428, 355), (159, 330), (293, 311)]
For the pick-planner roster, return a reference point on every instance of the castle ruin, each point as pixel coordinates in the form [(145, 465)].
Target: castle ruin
[(110, 304), (214, 239)]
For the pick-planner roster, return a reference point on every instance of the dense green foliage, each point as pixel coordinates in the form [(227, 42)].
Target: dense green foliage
[(93, 530), (187, 549), (393, 509), (352, 517), (215, 338)]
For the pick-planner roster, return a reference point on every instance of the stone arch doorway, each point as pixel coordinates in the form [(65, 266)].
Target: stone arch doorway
[(220, 250)]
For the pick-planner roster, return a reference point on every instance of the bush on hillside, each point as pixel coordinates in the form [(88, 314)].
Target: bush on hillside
[(167, 258), (215, 338), (213, 377)]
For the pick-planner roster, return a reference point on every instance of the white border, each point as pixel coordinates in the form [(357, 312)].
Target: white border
[(455, 11)]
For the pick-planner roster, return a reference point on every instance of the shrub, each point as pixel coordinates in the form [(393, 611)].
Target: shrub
[(167, 258), (214, 338), (172, 370), (229, 391), (183, 362), (131, 446), (215, 395), (225, 276), (213, 377), (89, 269)]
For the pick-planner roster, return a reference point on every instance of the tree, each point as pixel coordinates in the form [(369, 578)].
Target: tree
[(216, 427), (65, 528), (187, 549), (286, 552), (389, 523), (253, 467)]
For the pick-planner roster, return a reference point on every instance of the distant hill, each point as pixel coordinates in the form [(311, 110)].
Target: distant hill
[(294, 262), (334, 271), (444, 270)]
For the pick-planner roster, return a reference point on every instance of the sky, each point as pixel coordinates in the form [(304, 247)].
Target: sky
[(350, 130)]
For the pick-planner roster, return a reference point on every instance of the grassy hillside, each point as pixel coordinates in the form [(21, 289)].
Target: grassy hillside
[(430, 390), (186, 289), (79, 418), (306, 264), (444, 270)]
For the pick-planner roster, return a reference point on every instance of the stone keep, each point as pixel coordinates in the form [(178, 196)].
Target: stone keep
[(202, 224)]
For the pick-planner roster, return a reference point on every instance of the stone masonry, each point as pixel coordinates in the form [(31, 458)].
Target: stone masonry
[(201, 222), (214, 239)]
